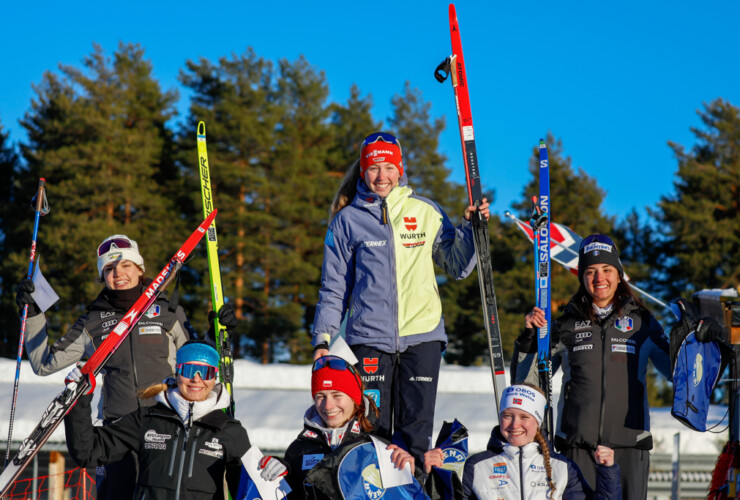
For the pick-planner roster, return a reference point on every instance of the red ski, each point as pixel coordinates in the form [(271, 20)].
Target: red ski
[(59, 407), (454, 66)]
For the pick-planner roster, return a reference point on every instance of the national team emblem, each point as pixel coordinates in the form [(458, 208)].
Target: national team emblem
[(410, 223), (624, 324), (517, 401), (370, 365), (310, 434), (153, 311), (499, 468)]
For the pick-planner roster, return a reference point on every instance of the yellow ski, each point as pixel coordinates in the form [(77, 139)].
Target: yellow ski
[(226, 368)]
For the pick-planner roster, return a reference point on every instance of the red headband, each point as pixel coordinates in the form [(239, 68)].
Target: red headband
[(380, 151), (329, 379)]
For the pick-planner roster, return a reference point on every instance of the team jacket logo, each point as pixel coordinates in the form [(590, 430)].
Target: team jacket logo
[(410, 223), (108, 324), (583, 336), (373, 394), (155, 441), (370, 365), (153, 311), (698, 371), (499, 468), (582, 325), (310, 434), (214, 444), (624, 324), (106, 314)]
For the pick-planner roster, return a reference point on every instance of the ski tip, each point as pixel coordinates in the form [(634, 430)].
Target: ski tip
[(201, 128), (453, 14), (542, 143), (41, 180), (507, 214)]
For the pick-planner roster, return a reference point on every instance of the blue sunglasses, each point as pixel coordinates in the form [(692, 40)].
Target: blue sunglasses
[(381, 136), (335, 363), (189, 370)]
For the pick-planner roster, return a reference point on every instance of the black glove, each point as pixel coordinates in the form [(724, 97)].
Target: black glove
[(527, 341), (23, 298), (709, 330), (226, 318)]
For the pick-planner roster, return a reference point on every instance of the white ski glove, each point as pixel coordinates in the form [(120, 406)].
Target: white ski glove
[(272, 468), (73, 377)]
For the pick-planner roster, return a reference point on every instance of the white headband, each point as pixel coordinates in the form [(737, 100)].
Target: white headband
[(524, 398)]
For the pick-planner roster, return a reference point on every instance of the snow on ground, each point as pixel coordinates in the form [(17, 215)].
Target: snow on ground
[(271, 399)]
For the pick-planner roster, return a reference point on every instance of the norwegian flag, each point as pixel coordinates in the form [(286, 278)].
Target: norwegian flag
[(564, 243)]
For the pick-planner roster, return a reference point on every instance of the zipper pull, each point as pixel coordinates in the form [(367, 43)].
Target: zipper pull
[(190, 414), (383, 212)]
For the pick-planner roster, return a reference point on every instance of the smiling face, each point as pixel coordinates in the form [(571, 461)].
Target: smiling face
[(517, 426), (122, 275), (600, 281), (382, 177), (335, 407), (195, 389)]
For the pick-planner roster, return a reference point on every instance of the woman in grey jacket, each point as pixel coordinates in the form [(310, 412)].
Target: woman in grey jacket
[(378, 273)]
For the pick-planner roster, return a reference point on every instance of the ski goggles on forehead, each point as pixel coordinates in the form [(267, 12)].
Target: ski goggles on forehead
[(189, 370), (381, 136), (105, 246), (335, 363), (596, 238)]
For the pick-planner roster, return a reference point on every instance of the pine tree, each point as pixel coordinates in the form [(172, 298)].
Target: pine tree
[(11, 213), (701, 220), (97, 134), (276, 159)]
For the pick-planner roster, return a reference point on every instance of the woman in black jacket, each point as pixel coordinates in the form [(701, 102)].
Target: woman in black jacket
[(603, 341), (186, 443)]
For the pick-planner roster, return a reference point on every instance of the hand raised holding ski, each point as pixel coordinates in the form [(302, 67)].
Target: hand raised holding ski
[(535, 318), (484, 210)]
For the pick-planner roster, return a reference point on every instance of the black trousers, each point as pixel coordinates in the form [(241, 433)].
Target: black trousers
[(117, 480), (634, 466), (404, 386)]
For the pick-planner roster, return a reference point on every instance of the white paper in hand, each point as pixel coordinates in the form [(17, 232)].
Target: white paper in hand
[(388, 473), (269, 490), (44, 295)]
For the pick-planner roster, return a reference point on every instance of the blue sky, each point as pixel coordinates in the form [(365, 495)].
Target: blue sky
[(613, 80)]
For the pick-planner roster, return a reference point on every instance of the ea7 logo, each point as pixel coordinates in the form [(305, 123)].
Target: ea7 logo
[(582, 325), (370, 365), (410, 223)]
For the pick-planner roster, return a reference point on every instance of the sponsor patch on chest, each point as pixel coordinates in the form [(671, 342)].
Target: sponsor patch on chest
[(629, 349), (150, 330), (310, 461)]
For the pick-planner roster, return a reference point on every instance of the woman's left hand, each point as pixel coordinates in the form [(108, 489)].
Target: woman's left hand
[(401, 457), (483, 209)]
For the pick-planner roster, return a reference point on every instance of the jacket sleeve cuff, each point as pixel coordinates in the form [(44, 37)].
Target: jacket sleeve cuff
[(321, 339)]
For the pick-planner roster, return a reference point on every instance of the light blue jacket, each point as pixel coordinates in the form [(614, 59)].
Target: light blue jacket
[(379, 257)]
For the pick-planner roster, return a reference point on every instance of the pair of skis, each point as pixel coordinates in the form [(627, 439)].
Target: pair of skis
[(454, 67), (540, 223), (223, 343), (61, 404)]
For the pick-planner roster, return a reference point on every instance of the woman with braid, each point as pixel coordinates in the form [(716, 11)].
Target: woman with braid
[(520, 464)]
